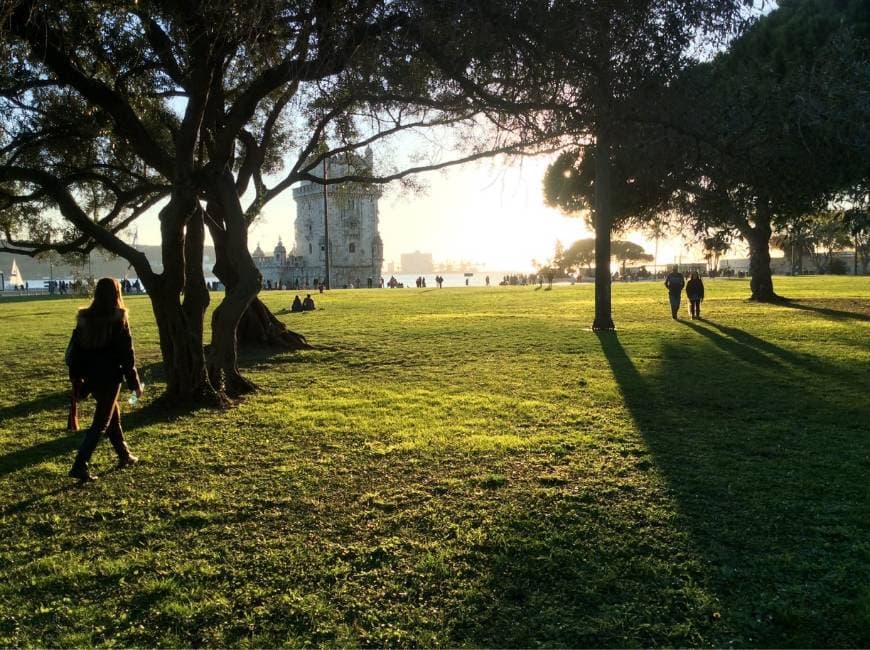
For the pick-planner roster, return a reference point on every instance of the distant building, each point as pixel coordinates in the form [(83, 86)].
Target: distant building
[(417, 262), (356, 251)]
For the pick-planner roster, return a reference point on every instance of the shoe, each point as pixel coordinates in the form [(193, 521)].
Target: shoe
[(82, 473), (128, 461)]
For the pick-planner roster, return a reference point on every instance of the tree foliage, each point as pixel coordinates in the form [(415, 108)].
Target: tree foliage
[(209, 111), (776, 126), (589, 69)]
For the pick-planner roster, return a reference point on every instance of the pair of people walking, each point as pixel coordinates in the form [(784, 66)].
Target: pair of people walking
[(100, 356), (675, 281)]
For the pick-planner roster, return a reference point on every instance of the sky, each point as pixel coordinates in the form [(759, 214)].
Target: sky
[(490, 213), (486, 213)]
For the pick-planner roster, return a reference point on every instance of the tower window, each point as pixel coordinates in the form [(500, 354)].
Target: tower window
[(352, 248), (309, 249)]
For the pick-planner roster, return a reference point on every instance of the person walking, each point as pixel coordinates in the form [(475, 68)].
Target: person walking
[(695, 294), (675, 283), (100, 356)]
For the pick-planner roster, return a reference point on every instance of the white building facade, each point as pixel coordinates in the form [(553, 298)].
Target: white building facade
[(349, 213)]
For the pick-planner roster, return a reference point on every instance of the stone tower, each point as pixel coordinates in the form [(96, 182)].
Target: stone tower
[(356, 252)]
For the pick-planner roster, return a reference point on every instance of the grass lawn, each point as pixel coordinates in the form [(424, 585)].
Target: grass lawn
[(461, 467)]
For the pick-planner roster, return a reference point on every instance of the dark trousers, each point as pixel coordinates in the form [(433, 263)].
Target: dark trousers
[(695, 307), (674, 299), (107, 419)]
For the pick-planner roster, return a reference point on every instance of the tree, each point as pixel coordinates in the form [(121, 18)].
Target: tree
[(626, 251), (715, 246), (110, 111), (580, 70), (778, 126), (828, 234), (793, 239), (579, 254), (859, 224)]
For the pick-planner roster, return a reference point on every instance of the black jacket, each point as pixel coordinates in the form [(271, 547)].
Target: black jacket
[(695, 288), (110, 363), (675, 282)]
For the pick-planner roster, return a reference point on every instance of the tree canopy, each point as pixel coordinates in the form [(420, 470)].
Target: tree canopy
[(207, 110), (776, 126)]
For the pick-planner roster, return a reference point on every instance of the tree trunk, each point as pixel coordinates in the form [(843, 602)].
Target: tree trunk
[(179, 326), (243, 282), (196, 297), (259, 327), (603, 226), (761, 281)]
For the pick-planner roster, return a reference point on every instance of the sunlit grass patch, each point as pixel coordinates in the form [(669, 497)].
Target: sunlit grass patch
[(461, 467)]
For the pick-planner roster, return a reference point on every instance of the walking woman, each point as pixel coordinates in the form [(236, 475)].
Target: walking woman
[(101, 356), (695, 294)]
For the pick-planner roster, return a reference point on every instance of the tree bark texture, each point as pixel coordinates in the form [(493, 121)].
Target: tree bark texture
[(242, 287), (196, 296), (259, 327), (179, 326), (603, 226), (761, 282)]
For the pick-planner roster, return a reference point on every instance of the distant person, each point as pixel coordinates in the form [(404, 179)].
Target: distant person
[(695, 294), (100, 356), (297, 305), (487, 280), (308, 303), (675, 282), (466, 282)]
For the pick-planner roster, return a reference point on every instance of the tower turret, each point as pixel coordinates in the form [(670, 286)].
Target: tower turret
[(280, 252)]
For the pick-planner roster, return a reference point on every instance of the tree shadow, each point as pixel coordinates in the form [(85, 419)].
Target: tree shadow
[(835, 314), (25, 504), (767, 468), (150, 414), (35, 454), (46, 402)]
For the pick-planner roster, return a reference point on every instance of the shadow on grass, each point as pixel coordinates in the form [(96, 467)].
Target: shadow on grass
[(26, 504), (768, 470), (64, 445), (47, 402), (835, 314)]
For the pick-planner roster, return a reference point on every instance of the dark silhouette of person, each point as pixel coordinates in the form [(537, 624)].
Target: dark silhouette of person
[(297, 305), (695, 294), (308, 303), (675, 283), (100, 357)]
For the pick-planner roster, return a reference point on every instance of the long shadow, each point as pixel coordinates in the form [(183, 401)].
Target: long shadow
[(152, 413), (769, 475), (751, 348), (47, 402), (36, 454), (835, 314)]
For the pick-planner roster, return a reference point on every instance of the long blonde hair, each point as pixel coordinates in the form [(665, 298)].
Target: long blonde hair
[(106, 309)]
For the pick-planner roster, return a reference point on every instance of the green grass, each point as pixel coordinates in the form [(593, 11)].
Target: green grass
[(461, 467)]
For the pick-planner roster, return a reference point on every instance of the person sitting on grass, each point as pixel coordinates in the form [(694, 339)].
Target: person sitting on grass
[(308, 303), (100, 356), (297, 305)]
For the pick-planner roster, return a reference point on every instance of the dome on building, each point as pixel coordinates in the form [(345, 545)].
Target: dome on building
[(280, 252), (258, 252)]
